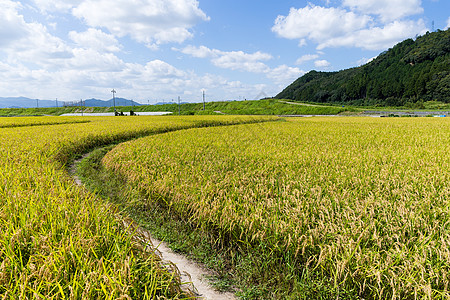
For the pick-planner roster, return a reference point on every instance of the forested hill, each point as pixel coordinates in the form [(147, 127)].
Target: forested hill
[(410, 73)]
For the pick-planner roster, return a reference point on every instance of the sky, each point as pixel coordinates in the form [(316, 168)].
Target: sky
[(155, 50)]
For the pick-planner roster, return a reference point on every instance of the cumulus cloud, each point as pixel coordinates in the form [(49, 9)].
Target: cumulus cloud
[(234, 60), (28, 42), (92, 73), (12, 25), (56, 5), (318, 23), (160, 69), (200, 52), (322, 63), (90, 59), (339, 27), (250, 62), (448, 24), (95, 39), (284, 75), (239, 60), (152, 22), (305, 58), (37, 63), (377, 38), (387, 10)]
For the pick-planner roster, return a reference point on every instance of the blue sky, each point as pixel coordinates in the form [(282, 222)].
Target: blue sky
[(154, 50)]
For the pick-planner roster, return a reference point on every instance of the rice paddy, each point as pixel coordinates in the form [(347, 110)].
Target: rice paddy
[(354, 207), (59, 241), (308, 208)]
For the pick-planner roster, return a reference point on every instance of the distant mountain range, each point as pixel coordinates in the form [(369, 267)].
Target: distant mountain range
[(23, 102)]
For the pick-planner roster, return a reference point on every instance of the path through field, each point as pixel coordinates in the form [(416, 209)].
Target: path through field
[(190, 271)]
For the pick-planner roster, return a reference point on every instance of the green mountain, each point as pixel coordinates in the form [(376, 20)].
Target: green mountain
[(410, 73)]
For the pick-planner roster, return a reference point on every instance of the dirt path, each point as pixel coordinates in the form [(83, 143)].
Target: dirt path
[(190, 271)]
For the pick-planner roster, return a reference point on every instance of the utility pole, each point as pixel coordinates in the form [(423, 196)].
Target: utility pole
[(114, 100), (81, 100), (179, 111), (203, 99), (56, 102), (37, 103)]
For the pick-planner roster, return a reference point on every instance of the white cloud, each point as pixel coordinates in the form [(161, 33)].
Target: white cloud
[(40, 64), (322, 63), (239, 60), (284, 75), (337, 27), (318, 23), (305, 58), (302, 43), (234, 60), (95, 39), (12, 25), (152, 22), (96, 75), (160, 69), (37, 64), (28, 42), (56, 5), (90, 59), (40, 48), (448, 24), (200, 52), (377, 38), (387, 10)]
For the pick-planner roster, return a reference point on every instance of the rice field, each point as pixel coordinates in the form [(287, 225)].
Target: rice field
[(38, 121), (362, 205), (59, 241)]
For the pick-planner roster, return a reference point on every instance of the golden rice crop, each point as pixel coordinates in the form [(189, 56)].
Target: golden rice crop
[(56, 239), (363, 201), (38, 121)]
